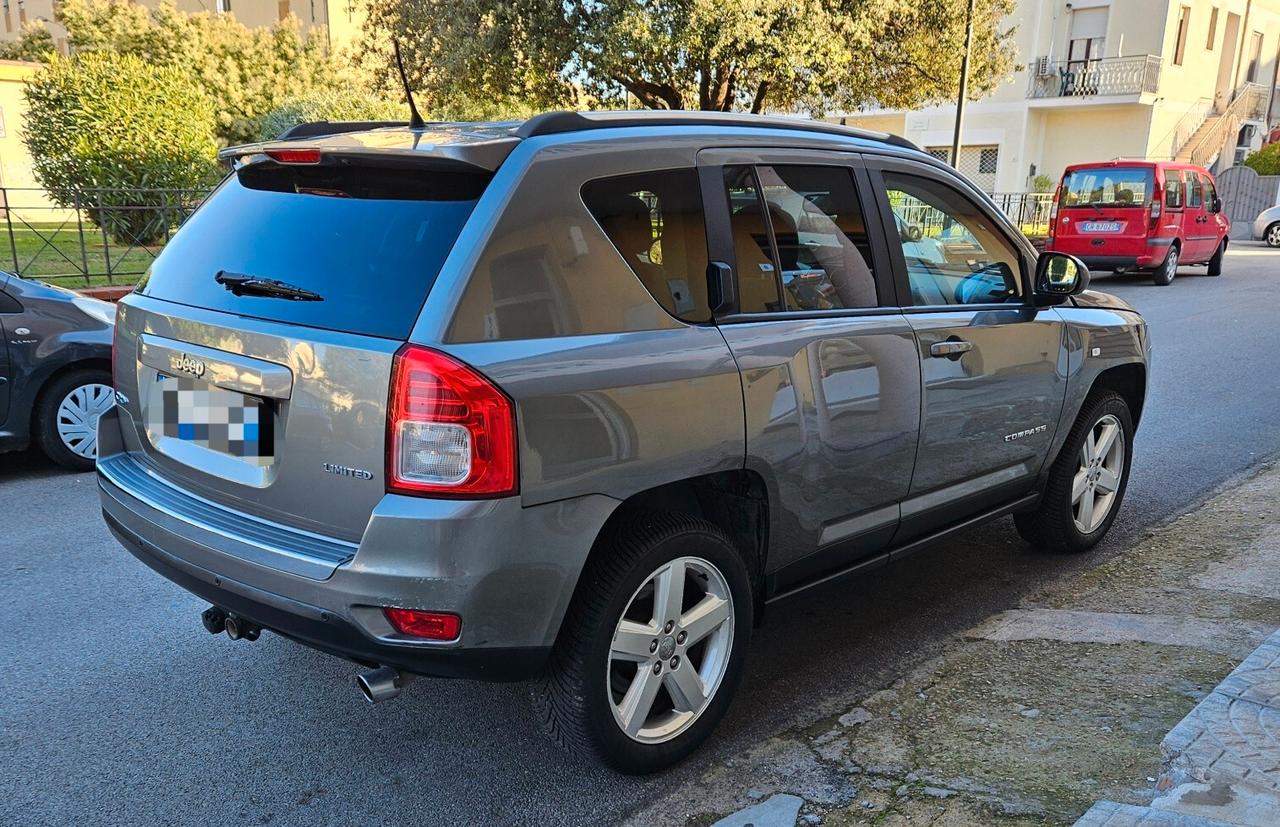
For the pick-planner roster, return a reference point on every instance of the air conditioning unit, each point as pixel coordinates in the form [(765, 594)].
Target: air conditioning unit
[(1042, 67)]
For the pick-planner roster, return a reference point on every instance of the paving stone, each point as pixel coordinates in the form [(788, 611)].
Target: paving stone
[(1228, 637), (776, 811), (1111, 814)]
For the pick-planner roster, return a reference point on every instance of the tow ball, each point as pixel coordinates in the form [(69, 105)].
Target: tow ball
[(216, 621)]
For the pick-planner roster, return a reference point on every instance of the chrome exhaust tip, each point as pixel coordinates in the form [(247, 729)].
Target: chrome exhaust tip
[(382, 684)]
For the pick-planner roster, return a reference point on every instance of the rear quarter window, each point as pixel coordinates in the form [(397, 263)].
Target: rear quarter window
[(369, 240)]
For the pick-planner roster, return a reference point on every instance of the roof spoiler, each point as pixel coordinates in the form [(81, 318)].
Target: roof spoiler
[(314, 129)]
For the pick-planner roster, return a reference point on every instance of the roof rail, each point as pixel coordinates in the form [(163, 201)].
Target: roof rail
[(314, 129), (557, 123)]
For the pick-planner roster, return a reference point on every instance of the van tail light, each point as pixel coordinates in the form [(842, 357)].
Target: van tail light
[(1156, 210), (1053, 212), (450, 431), (115, 347)]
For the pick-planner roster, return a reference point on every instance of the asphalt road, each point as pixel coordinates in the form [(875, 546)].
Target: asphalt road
[(116, 706)]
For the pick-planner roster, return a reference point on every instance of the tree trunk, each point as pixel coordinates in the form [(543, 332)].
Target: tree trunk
[(757, 103)]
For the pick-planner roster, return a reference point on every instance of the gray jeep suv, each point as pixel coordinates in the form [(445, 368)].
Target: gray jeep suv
[(573, 399)]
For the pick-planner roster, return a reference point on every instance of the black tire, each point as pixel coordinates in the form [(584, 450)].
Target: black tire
[(572, 699), (1272, 235), (1214, 267), (1165, 273), (1052, 524), (44, 425)]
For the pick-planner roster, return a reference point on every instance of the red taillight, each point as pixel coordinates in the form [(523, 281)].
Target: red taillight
[(427, 625), (1053, 211), (294, 156), (1156, 200), (450, 431)]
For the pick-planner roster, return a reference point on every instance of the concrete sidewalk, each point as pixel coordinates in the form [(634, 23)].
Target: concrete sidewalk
[(1222, 762), (1041, 711)]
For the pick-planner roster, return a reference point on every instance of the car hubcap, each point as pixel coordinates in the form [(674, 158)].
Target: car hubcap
[(1171, 264), (78, 415), (670, 650), (1093, 491), (1273, 236)]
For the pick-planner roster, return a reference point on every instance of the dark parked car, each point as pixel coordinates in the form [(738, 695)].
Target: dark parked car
[(572, 399), (55, 370)]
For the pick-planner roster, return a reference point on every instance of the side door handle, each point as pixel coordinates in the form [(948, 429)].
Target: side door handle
[(950, 349)]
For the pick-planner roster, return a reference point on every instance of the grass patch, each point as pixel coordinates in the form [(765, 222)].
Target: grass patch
[(64, 255)]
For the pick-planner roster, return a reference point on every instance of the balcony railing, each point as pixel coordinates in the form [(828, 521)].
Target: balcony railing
[(1107, 76)]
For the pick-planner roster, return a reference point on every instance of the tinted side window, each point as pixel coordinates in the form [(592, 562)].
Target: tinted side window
[(1173, 195), (1193, 187), (820, 237), (953, 253), (655, 221), (754, 258)]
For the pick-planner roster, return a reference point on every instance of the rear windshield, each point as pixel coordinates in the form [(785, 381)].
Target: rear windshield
[(369, 241), (1107, 187)]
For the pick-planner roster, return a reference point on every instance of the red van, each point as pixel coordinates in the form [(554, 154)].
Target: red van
[(1139, 215)]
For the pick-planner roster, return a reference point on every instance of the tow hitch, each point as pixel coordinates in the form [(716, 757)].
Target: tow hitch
[(216, 621)]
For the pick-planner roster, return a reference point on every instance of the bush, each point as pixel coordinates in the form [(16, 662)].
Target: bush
[(1265, 161), (245, 72), (34, 44), (101, 124), (329, 106)]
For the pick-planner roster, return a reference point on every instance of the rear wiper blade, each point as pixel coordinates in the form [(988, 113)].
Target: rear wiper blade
[(242, 285)]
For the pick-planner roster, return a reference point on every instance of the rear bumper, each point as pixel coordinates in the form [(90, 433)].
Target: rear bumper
[(508, 571)]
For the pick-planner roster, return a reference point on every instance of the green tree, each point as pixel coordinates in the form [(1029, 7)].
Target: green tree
[(330, 105), (100, 126), (1265, 161), (809, 55), (245, 72), (33, 44)]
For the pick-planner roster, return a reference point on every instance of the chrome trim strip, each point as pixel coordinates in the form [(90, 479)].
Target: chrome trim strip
[(226, 370)]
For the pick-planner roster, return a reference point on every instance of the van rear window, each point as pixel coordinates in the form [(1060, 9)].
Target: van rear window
[(369, 241), (1107, 187)]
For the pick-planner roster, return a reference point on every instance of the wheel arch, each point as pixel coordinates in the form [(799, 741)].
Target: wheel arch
[(46, 381), (1130, 381), (735, 501)]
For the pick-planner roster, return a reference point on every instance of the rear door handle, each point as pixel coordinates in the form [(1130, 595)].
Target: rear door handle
[(950, 349)]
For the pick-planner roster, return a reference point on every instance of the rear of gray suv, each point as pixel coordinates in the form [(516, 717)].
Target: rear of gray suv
[(571, 400)]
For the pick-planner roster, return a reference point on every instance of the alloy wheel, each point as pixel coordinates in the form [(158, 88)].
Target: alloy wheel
[(670, 650), (1097, 479), (1273, 235), (1171, 264), (78, 414)]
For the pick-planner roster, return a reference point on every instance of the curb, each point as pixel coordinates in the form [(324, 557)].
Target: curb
[(1222, 761)]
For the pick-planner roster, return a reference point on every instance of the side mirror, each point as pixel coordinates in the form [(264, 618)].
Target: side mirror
[(1059, 275), (911, 232)]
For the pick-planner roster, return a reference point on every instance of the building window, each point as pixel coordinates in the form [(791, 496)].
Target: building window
[(942, 153), (977, 163), (1255, 57), (1180, 45), (987, 160), (1088, 37), (1213, 28)]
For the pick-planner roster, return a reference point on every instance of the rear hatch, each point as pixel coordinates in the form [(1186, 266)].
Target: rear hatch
[(1104, 211), (257, 353)]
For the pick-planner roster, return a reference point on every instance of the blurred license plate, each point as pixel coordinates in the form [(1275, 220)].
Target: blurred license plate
[(220, 420), (1101, 226)]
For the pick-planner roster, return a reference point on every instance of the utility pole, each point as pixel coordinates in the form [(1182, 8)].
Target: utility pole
[(964, 87)]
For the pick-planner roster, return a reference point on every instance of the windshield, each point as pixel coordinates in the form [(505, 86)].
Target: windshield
[(1107, 187), (369, 241)]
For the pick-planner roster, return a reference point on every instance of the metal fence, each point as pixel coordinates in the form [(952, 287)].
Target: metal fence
[(97, 237), (1029, 210)]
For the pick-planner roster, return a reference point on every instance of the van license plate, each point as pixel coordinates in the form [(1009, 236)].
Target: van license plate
[(214, 418), (1101, 226)]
